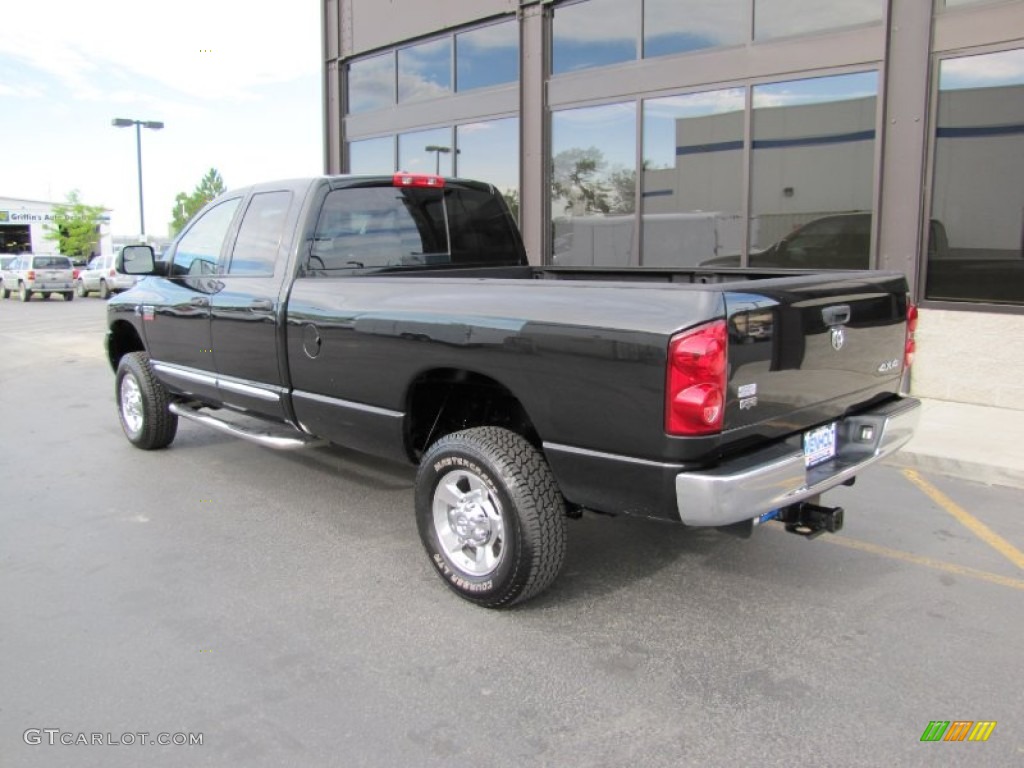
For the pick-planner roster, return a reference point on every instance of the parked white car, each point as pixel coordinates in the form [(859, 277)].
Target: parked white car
[(101, 276), (7, 276)]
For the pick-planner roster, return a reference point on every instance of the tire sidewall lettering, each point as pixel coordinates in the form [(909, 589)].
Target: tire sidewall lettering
[(460, 581)]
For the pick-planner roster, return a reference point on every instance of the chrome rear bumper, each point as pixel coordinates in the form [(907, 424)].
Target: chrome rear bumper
[(775, 477)]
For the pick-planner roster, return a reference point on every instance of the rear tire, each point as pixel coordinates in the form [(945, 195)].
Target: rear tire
[(47, 295), (5, 293), (69, 295), (80, 289), (490, 516), (142, 404), (24, 293), (104, 290)]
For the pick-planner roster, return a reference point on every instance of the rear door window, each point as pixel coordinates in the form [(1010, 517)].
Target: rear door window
[(260, 234)]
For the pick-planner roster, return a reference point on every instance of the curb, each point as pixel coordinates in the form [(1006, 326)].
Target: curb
[(987, 474)]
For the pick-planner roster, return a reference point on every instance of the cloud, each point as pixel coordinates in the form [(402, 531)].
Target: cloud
[(221, 58), (986, 70), (697, 104)]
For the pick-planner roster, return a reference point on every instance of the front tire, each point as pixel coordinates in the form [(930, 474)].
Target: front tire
[(490, 516), (5, 293), (142, 404), (104, 290), (69, 295), (80, 289)]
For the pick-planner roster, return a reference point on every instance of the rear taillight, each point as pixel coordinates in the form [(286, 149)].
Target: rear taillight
[(695, 382), (113, 272), (74, 274), (31, 275), (910, 348), (417, 180)]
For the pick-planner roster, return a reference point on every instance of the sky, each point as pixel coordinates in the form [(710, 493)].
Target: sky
[(236, 84)]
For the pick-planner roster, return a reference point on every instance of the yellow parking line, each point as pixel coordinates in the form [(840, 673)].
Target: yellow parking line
[(928, 562), (969, 521)]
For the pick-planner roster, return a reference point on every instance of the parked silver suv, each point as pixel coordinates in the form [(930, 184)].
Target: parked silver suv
[(101, 275), (38, 273)]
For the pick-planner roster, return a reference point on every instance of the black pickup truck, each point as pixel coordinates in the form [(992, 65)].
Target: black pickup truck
[(398, 315)]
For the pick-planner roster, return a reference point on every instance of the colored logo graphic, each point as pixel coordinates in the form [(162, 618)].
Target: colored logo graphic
[(958, 730), (5, 216)]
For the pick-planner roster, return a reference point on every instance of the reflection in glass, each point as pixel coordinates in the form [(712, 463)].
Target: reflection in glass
[(812, 172), (371, 83), (489, 151), (372, 156), (952, 3), (692, 197), (487, 56), (782, 18), (678, 26), (593, 184), (426, 151), (976, 242), (425, 71), (260, 234), (594, 34)]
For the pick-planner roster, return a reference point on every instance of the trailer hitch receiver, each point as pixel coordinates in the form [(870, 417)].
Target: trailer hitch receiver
[(810, 520)]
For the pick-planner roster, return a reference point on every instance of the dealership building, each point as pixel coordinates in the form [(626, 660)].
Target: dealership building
[(881, 134), (24, 224)]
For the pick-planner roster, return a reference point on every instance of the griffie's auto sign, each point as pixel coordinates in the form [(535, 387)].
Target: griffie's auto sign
[(20, 217)]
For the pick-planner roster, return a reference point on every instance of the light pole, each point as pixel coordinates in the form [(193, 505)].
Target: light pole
[(123, 122), (437, 150)]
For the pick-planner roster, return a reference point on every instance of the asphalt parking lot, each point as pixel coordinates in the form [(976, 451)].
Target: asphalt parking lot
[(281, 606)]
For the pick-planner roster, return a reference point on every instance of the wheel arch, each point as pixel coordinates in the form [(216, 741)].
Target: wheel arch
[(122, 339), (440, 401)]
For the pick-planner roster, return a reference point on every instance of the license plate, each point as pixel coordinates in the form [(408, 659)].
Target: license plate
[(820, 445)]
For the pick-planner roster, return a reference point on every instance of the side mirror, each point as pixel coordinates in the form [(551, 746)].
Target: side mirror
[(136, 260)]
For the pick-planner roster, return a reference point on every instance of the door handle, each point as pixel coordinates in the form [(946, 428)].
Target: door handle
[(200, 301), (262, 305)]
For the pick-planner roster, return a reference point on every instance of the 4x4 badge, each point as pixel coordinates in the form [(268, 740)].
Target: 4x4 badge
[(838, 338)]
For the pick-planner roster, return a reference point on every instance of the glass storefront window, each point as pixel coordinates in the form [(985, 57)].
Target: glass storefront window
[(812, 172), (372, 156), (425, 71), (976, 233), (595, 33), (692, 196), (426, 151), (782, 18), (678, 26), (489, 151), (593, 185), (371, 83), (487, 56)]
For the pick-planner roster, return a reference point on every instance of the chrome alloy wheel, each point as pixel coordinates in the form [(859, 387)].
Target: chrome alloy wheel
[(131, 404), (468, 523)]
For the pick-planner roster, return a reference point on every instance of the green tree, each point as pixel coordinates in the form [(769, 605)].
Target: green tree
[(577, 179), (623, 184), (76, 227), (186, 206), (512, 200)]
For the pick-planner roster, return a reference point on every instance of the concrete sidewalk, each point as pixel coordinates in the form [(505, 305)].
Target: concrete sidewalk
[(973, 442)]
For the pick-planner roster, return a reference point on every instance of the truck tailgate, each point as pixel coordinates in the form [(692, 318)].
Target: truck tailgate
[(807, 352)]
